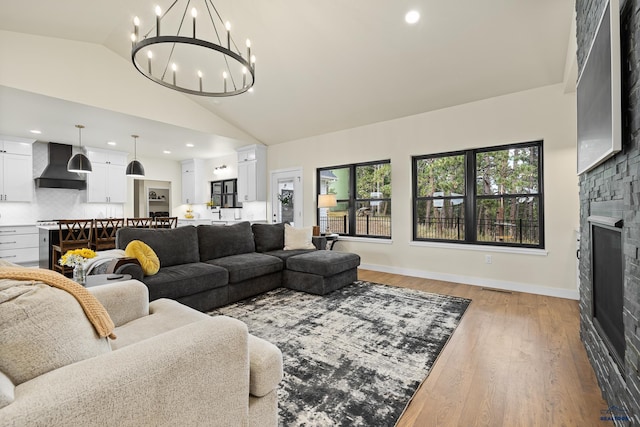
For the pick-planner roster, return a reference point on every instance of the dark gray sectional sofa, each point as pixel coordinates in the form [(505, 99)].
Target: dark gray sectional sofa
[(209, 266)]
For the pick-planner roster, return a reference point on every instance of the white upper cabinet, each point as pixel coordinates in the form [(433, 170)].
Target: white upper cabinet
[(108, 182), (16, 169), (252, 173), (194, 183)]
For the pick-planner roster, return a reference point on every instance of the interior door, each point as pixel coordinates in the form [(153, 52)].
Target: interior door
[(286, 196)]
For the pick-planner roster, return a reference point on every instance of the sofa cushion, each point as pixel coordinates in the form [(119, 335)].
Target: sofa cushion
[(41, 329), (217, 241), (7, 391), (145, 255), (174, 246), (298, 238), (268, 237), (186, 279), (247, 266), (323, 263), (285, 255)]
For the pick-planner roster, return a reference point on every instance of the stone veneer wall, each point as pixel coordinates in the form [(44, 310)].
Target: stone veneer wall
[(615, 180)]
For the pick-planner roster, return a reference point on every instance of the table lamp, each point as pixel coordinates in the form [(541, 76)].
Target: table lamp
[(327, 201)]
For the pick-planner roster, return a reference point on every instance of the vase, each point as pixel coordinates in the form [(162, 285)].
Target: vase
[(79, 274)]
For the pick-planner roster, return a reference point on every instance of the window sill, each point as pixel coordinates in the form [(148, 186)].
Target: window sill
[(364, 240), (481, 248)]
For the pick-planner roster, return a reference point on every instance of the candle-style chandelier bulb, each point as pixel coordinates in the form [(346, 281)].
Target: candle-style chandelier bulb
[(175, 44)]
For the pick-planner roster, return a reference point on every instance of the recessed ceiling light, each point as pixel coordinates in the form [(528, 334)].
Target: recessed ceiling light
[(189, 145), (167, 152), (111, 143), (412, 17), (36, 131)]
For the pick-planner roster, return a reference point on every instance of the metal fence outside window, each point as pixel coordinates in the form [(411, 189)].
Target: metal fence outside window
[(519, 231), (367, 225)]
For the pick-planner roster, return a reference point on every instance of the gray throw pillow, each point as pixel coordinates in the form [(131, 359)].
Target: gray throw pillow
[(268, 237), (217, 241)]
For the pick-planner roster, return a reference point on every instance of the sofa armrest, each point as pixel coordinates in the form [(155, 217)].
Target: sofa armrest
[(265, 372), (191, 375), (126, 265), (124, 301)]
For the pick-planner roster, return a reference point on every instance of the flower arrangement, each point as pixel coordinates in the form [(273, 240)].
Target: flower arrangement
[(76, 257), (285, 198)]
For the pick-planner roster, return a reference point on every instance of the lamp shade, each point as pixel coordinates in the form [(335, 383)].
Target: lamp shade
[(135, 169), (79, 163), (327, 201)]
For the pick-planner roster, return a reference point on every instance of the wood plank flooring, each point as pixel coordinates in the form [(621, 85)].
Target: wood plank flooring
[(516, 359)]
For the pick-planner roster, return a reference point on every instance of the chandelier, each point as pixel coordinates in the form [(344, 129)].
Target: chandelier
[(190, 49)]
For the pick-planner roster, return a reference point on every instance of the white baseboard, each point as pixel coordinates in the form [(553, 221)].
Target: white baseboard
[(477, 281)]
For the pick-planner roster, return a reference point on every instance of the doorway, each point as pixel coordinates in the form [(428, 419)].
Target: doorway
[(286, 196)]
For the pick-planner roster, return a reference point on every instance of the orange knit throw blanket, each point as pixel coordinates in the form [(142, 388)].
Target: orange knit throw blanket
[(95, 311)]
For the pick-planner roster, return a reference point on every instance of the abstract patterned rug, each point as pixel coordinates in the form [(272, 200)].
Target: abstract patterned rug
[(353, 357)]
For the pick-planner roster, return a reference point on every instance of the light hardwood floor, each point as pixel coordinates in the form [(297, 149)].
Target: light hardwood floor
[(516, 359)]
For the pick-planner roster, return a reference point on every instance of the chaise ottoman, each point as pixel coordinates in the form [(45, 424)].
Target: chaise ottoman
[(321, 272)]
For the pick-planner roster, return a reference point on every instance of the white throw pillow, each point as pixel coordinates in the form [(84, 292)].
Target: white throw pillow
[(297, 238)]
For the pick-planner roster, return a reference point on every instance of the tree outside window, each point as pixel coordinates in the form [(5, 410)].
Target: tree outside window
[(484, 196)]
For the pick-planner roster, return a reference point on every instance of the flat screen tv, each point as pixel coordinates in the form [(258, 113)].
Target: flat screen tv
[(599, 105)]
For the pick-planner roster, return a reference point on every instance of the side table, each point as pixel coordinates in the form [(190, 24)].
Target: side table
[(331, 240), (103, 279)]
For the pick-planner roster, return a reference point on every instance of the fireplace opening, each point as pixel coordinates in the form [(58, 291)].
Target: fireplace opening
[(607, 278)]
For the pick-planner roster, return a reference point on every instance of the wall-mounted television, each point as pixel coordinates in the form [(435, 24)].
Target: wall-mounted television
[(599, 104)]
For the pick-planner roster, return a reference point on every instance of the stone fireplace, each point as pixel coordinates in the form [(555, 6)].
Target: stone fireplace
[(610, 233)]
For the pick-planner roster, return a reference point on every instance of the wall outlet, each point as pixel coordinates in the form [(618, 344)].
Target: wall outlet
[(487, 259)]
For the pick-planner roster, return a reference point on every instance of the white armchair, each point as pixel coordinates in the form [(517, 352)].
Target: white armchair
[(170, 365)]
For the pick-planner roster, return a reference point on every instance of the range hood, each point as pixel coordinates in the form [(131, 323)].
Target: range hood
[(56, 175)]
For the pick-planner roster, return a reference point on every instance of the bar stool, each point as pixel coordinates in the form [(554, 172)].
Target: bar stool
[(140, 222), (104, 233), (166, 222), (74, 234)]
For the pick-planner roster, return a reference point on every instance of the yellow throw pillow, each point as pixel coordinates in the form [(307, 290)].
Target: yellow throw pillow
[(145, 255)]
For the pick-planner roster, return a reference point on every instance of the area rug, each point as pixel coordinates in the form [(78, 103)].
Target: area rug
[(355, 356)]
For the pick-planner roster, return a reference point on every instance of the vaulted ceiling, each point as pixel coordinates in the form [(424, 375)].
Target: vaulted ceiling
[(324, 66)]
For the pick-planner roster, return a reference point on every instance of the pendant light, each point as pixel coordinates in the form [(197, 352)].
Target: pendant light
[(135, 168), (79, 163)]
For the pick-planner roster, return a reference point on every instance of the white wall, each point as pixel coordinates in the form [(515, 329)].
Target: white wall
[(545, 113)]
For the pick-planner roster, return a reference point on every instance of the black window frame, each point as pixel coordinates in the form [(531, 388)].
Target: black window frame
[(471, 197), (353, 200)]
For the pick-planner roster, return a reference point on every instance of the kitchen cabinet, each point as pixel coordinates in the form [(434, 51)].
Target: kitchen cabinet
[(194, 183), (16, 170), (252, 171), (108, 181), (19, 244)]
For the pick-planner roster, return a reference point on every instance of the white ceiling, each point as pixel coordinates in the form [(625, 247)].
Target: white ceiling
[(323, 66)]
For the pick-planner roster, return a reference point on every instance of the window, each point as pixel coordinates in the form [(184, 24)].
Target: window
[(483, 196), (363, 195)]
